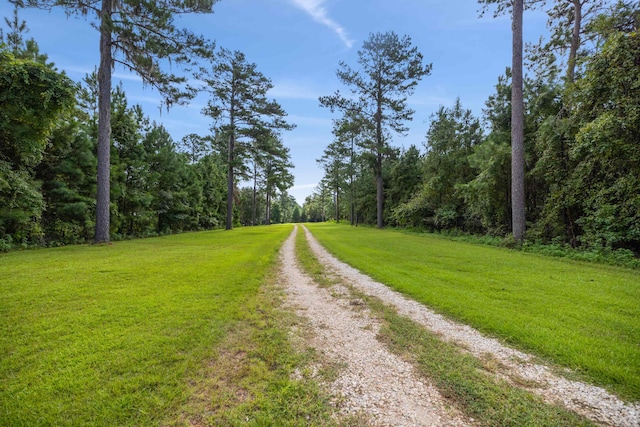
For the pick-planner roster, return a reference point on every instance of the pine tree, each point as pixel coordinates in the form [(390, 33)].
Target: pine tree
[(239, 100), (390, 69), (139, 35)]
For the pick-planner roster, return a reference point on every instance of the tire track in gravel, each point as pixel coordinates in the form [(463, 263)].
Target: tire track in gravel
[(590, 401), (375, 382)]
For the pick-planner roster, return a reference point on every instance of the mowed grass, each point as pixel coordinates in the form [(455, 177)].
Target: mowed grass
[(582, 316), (113, 335)]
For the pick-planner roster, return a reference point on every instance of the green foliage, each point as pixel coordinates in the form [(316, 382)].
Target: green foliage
[(208, 191), (607, 106), (142, 37), (487, 195), (451, 138), (578, 315), (580, 150), (32, 98), (405, 177), (240, 109), (67, 173), (22, 205), (334, 161)]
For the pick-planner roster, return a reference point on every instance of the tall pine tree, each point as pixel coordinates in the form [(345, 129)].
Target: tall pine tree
[(141, 36), (390, 70), (238, 105)]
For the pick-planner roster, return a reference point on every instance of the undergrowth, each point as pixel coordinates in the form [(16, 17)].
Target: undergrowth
[(599, 255)]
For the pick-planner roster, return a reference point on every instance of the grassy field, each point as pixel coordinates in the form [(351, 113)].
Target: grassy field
[(578, 315), (150, 332)]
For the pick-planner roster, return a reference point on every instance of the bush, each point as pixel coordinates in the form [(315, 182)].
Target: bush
[(6, 244)]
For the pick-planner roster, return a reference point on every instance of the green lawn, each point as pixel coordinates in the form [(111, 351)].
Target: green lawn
[(121, 334), (579, 315)]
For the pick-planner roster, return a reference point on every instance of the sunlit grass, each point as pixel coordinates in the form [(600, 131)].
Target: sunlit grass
[(121, 334), (582, 316)]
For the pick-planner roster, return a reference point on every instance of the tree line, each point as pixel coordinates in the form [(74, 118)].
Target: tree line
[(580, 130), (51, 128)]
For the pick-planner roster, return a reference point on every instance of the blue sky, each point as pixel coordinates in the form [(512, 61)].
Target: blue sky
[(298, 44)]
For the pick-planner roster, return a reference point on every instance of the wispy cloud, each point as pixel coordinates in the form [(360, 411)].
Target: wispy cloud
[(289, 89), (318, 12), (304, 186), (315, 122), (431, 101), (298, 88)]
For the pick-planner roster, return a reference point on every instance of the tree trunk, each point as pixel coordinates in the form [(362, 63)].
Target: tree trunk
[(103, 196), (254, 207), (355, 203), (575, 40), (379, 148), (517, 128), (337, 177), (268, 213), (352, 187), (379, 193), (337, 205), (229, 224)]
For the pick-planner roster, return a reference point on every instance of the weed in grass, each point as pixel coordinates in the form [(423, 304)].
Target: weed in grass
[(577, 315), (490, 363)]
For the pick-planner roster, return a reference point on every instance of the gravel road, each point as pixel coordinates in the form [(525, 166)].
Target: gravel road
[(374, 383)]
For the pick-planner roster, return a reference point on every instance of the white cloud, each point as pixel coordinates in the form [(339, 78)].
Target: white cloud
[(127, 75), (288, 89), (318, 12), (304, 186), (311, 121), (435, 101)]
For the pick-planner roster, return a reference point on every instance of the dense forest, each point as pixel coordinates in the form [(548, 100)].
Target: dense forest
[(48, 155), (581, 140)]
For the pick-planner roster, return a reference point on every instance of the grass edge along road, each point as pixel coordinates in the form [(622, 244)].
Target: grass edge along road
[(169, 331), (578, 315)]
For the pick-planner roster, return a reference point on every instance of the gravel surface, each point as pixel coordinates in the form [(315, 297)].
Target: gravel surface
[(374, 383), (593, 402)]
